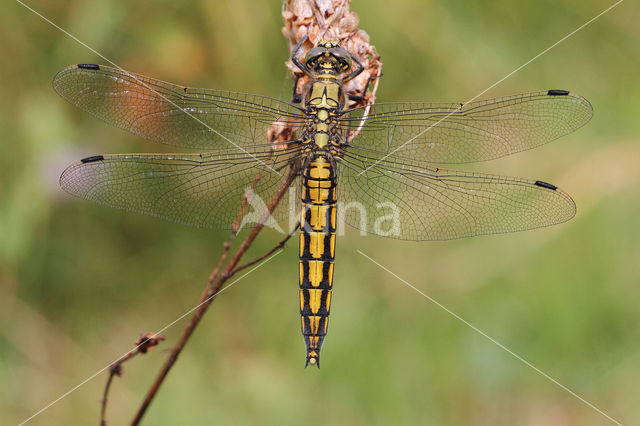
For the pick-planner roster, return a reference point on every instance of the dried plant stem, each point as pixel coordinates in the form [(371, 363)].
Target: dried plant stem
[(214, 284), (269, 253), (114, 370), (146, 342), (103, 411)]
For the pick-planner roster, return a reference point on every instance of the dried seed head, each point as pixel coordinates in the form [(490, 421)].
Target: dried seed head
[(331, 20)]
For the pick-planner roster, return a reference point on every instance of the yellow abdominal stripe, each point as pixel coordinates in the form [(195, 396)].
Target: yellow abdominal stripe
[(315, 274)]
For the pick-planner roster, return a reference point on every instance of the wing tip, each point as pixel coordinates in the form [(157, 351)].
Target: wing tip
[(589, 108), (62, 73), (571, 212), (67, 183)]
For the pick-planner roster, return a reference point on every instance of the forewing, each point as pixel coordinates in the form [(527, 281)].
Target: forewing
[(175, 115), (444, 133), (412, 202), (202, 190)]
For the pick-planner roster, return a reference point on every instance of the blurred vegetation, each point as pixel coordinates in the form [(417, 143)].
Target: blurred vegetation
[(79, 282)]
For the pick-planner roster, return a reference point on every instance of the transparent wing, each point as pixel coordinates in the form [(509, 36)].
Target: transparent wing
[(174, 115), (460, 133), (412, 202), (202, 190)]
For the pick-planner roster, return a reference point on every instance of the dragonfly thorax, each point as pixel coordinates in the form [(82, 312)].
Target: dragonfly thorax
[(324, 102)]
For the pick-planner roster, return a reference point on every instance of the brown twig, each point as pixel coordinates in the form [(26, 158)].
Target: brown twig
[(112, 372), (214, 285), (269, 253), (227, 245), (146, 342)]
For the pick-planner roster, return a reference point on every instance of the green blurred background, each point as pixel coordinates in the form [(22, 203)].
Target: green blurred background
[(79, 282)]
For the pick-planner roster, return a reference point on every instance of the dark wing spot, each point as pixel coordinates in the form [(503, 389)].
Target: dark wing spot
[(92, 159), (545, 185), (89, 66), (554, 92)]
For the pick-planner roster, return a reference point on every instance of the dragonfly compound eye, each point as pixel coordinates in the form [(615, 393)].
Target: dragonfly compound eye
[(314, 54), (343, 57)]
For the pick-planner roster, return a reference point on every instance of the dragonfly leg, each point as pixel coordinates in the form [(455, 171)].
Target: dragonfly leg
[(294, 56), (356, 72), (297, 96), (358, 98)]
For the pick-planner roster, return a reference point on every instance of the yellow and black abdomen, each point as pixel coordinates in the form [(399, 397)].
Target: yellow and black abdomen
[(317, 251)]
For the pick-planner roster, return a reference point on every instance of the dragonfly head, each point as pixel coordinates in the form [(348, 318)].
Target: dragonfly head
[(328, 58)]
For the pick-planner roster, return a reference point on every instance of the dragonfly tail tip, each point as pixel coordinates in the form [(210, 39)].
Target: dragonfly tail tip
[(313, 358)]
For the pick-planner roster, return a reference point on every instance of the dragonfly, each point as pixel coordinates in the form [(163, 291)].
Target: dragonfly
[(384, 154)]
